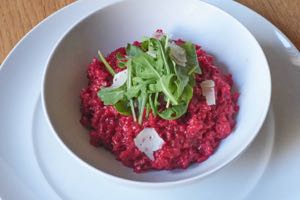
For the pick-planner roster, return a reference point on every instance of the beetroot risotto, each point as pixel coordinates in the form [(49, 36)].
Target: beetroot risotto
[(158, 104)]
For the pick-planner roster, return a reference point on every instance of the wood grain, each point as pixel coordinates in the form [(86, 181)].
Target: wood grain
[(17, 17), (285, 14)]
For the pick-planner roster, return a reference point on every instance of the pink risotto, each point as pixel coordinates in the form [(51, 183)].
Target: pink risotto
[(191, 138)]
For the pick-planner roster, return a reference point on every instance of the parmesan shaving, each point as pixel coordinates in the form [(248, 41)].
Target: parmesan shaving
[(207, 83), (210, 97), (119, 79), (209, 92), (148, 141), (178, 54)]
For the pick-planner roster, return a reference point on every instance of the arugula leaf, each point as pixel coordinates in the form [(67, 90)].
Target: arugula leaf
[(141, 67), (153, 103), (145, 68), (168, 87), (137, 80), (132, 109), (162, 53), (156, 103), (153, 88), (147, 110), (133, 91), (119, 56), (138, 85), (187, 94), (165, 41), (182, 80), (152, 49), (174, 112), (153, 79), (121, 60), (132, 50), (111, 96), (145, 44), (123, 107), (122, 64), (177, 111), (192, 60)]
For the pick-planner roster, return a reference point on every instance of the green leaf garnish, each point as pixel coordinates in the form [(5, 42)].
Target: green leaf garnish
[(111, 96), (192, 60), (107, 66), (142, 99), (174, 112), (132, 50), (121, 60), (155, 82), (123, 107)]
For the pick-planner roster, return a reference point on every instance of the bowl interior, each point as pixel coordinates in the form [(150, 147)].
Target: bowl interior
[(109, 28)]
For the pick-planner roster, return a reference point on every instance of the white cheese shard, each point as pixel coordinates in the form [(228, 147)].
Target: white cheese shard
[(148, 141), (207, 84), (178, 54), (119, 79), (208, 91)]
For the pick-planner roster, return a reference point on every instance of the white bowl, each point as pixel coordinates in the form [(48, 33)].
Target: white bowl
[(111, 27)]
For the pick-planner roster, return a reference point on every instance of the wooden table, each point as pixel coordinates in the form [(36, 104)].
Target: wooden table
[(17, 17)]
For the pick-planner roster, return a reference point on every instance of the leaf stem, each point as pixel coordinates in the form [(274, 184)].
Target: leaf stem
[(164, 57), (167, 92), (168, 103), (107, 66), (129, 69), (164, 88), (167, 41), (132, 109), (147, 110), (142, 109)]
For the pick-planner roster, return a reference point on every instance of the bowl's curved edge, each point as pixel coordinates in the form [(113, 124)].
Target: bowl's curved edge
[(142, 183)]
